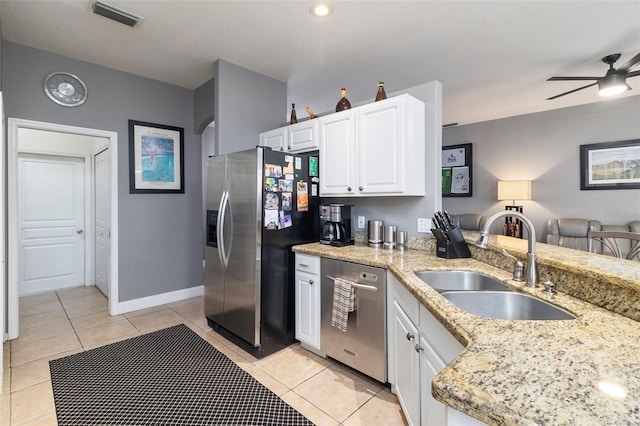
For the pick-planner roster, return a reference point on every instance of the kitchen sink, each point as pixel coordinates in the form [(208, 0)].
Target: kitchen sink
[(507, 305), (460, 280)]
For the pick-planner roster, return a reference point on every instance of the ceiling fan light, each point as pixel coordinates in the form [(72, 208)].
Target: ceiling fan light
[(612, 85)]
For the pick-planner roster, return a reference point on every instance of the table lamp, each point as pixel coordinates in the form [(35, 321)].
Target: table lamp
[(514, 190)]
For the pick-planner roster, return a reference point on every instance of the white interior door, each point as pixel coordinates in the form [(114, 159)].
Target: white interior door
[(102, 179), (51, 222)]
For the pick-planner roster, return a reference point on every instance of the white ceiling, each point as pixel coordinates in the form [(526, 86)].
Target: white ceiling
[(492, 57)]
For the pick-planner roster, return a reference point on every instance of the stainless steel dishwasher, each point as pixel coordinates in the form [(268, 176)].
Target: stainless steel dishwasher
[(363, 345)]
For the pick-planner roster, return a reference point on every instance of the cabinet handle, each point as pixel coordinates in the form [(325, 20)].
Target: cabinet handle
[(409, 336), (419, 348), (304, 265), (311, 282), (349, 188), (360, 188)]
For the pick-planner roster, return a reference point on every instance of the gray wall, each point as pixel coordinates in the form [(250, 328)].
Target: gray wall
[(203, 101), (246, 104), (160, 242), (544, 148)]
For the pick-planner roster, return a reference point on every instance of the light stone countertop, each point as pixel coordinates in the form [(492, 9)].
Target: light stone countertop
[(530, 372)]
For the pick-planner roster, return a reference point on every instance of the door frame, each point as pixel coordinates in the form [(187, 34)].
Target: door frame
[(14, 124)]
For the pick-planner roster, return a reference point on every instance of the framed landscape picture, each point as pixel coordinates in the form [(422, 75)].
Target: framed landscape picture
[(457, 170), (156, 158), (610, 165)]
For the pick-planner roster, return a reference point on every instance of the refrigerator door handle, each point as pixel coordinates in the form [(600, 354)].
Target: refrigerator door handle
[(220, 226), (223, 252)]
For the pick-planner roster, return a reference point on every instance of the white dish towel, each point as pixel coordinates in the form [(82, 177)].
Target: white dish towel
[(344, 301)]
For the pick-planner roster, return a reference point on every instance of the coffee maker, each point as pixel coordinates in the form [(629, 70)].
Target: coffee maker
[(335, 225)]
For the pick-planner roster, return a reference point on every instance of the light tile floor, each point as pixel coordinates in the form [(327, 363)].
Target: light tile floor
[(57, 324)]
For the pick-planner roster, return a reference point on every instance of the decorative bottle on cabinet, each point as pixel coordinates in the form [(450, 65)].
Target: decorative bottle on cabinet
[(381, 95), (294, 117), (310, 112), (343, 103)]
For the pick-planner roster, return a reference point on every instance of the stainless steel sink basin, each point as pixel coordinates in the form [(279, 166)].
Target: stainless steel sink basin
[(506, 305), (460, 280)]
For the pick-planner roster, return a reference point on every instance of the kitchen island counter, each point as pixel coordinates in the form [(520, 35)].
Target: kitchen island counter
[(581, 372)]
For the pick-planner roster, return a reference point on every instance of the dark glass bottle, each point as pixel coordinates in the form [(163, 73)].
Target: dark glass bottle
[(381, 95), (343, 103), (294, 117)]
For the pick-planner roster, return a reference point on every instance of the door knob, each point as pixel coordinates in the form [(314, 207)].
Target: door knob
[(80, 232)]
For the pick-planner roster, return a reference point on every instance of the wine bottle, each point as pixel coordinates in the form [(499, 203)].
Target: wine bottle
[(381, 95), (294, 117), (343, 103)]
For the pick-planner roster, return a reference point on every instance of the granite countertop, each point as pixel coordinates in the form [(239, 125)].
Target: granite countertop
[(529, 372)]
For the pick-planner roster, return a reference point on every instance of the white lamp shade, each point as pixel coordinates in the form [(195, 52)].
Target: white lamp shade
[(514, 190)]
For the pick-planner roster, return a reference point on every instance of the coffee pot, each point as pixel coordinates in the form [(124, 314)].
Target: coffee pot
[(335, 221)]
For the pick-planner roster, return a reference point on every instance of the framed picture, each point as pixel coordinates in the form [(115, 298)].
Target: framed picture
[(156, 158), (610, 165), (457, 170)]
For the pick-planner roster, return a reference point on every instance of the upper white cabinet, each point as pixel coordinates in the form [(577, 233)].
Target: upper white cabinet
[(374, 150), (299, 137)]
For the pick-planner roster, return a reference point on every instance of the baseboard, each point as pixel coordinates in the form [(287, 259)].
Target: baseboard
[(118, 308)]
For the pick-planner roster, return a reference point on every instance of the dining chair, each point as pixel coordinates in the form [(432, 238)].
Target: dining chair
[(611, 241)]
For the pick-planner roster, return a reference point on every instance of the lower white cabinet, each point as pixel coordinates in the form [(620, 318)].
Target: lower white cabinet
[(407, 364), (307, 300), (419, 348)]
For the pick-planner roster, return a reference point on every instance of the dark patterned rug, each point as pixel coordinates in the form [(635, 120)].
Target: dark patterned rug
[(168, 377)]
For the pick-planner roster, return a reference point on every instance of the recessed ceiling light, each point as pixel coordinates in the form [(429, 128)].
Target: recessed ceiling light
[(321, 10)]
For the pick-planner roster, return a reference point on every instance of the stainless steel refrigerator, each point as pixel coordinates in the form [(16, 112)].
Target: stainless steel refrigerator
[(259, 204)]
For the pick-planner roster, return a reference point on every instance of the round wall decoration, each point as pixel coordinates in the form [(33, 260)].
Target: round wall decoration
[(65, 89)]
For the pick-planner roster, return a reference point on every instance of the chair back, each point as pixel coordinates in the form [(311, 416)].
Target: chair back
[(621, 244), (572, 233)]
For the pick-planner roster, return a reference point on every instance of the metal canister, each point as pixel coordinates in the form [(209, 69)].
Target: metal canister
[(390, 236), (375, 233), (401, 240)]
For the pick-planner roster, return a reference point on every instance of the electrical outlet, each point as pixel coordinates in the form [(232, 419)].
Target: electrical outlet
[(361, 222), (424, 225)]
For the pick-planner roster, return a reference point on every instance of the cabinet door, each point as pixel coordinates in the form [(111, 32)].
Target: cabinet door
[(276, 139), (302, 136), (432, 412), (406, 366), (308, 309), (337, 154), (381, 148)]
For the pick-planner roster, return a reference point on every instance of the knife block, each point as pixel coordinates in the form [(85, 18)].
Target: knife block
[(455, 248)]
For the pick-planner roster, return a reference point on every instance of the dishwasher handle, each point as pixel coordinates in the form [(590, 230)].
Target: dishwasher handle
[(356, 285)]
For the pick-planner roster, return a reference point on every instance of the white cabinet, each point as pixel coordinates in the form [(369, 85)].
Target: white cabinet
[(374, 150), (419, 348), (299, 137), (276, 139), (307, 300), (407, 364)]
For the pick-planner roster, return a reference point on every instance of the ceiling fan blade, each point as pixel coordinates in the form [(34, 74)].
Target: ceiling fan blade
[(633, 74), (572, 78), (630, 63), (571, 91)]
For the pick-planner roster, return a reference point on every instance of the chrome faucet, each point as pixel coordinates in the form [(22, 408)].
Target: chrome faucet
[(530, 273)]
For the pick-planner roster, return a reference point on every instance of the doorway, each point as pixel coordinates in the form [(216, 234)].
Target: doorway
[(25, 149)]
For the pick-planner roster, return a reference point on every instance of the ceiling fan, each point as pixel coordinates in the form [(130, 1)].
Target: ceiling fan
[(612, 83)]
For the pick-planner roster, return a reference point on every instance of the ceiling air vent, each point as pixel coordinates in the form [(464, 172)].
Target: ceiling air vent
[(115, 14)]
